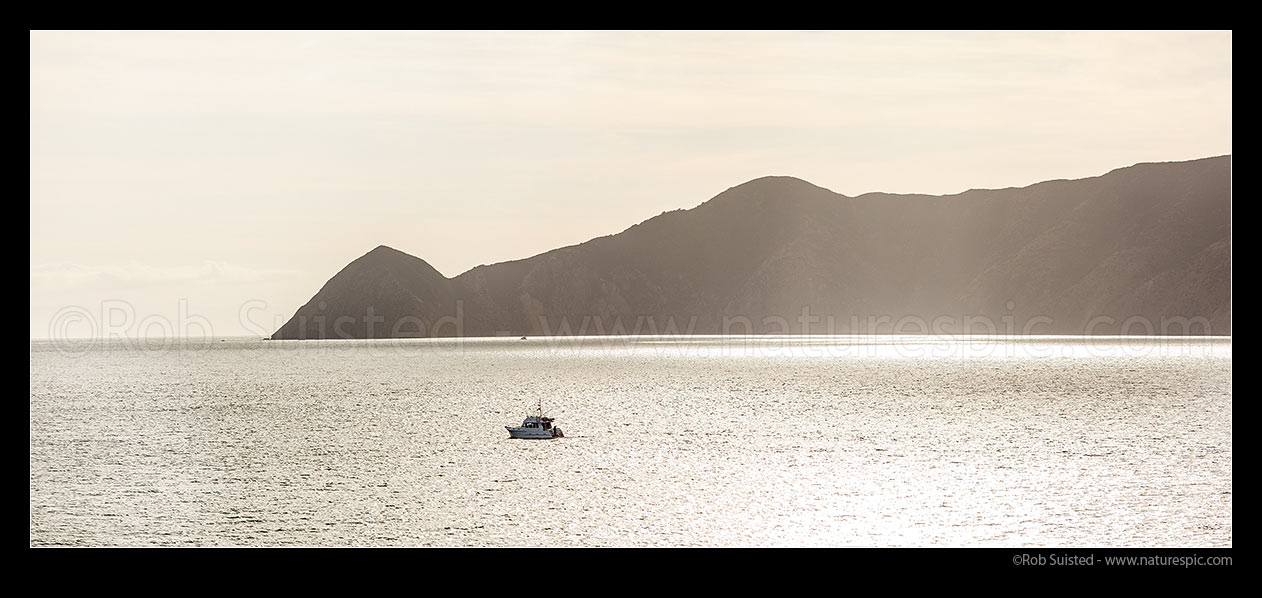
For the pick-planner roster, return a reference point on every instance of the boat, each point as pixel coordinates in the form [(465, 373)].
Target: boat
[(535, 426)]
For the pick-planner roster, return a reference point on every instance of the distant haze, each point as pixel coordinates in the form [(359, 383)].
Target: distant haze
[(178, 179)]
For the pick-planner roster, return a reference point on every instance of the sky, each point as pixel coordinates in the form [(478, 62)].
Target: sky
[(199, 183)]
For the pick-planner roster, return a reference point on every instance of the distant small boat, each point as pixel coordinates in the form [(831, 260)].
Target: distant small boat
[(523, 338), (535, 426)]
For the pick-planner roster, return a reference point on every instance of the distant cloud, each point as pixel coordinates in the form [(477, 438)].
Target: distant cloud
[(70, 274)]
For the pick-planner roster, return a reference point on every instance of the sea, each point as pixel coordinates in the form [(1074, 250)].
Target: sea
[(669, 441)]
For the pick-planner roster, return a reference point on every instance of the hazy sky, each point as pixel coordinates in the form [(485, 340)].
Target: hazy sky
[(179, 178)]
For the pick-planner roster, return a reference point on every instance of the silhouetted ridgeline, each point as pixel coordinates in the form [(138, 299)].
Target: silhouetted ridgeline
[(1140, 250)]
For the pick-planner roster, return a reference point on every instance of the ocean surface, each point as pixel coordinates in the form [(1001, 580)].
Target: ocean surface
[(697, 441)]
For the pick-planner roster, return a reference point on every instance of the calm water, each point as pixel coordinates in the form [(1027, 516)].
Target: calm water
[(819, 441)]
